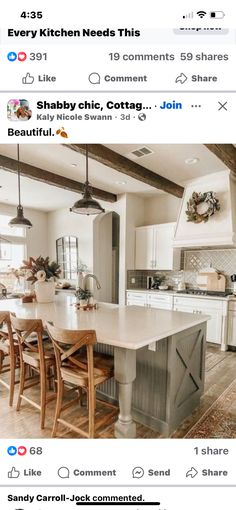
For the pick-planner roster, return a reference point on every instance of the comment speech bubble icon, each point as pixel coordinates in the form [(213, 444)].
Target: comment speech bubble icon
[(138, 472), (94, 78), (63, 472)]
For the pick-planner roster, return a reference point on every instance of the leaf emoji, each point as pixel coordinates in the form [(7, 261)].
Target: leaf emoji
[(58, 131), (64, 134)]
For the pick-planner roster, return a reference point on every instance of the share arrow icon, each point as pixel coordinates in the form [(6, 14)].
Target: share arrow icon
[(181, 78), (192, 472)]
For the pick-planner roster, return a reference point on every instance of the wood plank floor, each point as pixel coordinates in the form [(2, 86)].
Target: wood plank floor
[(220, 372)]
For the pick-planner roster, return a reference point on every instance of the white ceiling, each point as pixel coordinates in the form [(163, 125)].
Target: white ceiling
[(166, 160)]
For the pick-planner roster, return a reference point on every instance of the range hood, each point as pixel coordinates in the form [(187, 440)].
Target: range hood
[(220, 229)]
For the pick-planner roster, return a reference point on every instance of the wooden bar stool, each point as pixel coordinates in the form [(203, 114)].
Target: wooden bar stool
[(33, 355), (80, 373), (8, 349)]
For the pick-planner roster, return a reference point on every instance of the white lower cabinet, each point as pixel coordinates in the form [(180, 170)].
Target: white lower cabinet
[(160, 301), (216, 309), (150, 300), (137, 298), (221, 328), (232, 324)]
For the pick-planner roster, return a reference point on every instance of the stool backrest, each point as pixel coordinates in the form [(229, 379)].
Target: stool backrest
[(8, 334), (24, 329), (68, 343)]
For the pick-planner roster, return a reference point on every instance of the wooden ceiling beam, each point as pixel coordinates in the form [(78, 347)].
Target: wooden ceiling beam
[(59, 181), (226, 152), (128, 167)]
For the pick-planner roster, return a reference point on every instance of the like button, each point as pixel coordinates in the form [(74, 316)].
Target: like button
[(28, 79), (14, 473)]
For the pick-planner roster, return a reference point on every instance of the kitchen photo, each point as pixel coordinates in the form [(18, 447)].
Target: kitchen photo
[(118, 291)]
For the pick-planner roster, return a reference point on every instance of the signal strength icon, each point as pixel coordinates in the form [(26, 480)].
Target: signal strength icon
[(201, 14), (189, 15)]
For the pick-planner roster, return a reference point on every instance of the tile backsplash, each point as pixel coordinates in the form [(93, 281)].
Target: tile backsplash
[(192, 261)]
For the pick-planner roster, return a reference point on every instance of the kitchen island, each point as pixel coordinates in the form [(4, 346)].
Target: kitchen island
[(159, 357)]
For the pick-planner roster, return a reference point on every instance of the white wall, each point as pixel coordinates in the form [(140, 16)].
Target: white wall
[(120, 208), (37, 236), (65, 223), (161, 209), (134, 218), (130, 209), (134, 211)]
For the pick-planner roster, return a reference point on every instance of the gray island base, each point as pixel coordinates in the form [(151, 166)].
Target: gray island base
[(159, 357), (158, 388)]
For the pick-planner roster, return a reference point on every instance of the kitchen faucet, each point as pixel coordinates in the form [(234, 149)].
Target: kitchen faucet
[(90, 275)]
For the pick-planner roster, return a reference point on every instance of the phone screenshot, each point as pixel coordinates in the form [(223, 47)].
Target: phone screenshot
[(117, 255)]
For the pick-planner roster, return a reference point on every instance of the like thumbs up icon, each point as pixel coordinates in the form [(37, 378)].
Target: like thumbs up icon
[(14, 473), (28, 79)]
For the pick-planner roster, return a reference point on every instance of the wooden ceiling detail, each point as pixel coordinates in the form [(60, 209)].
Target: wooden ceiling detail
[(32, 172), (226, 152), (124, 165)]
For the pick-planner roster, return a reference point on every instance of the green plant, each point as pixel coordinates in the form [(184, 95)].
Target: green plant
[(41, 269), (83, 294)]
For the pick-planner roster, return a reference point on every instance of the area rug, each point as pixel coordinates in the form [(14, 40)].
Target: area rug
[(219, 421)]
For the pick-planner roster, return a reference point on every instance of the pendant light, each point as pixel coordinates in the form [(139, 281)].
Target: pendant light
[(87, 204), (19, 221)]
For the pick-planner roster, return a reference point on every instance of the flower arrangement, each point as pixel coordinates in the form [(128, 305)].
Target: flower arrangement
[(41, 269)]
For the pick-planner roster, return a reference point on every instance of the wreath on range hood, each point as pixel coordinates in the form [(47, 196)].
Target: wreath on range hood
[(208, 198)]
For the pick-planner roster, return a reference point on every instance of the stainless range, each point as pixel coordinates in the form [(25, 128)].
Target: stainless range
[(199, 292)]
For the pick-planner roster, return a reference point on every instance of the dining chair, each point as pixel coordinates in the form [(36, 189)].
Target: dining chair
[(40, 362), (78, 366), (8, 350)]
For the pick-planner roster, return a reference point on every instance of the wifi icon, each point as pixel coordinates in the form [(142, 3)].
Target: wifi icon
[(201, 14)]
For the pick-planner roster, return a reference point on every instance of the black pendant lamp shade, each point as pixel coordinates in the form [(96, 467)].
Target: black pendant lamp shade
[(87, 204), (19, 221)]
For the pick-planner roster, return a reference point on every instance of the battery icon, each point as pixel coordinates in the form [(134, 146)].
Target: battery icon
[(217, 14)]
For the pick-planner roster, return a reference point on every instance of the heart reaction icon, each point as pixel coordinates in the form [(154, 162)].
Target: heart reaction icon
[(22, 451), (22, 56)]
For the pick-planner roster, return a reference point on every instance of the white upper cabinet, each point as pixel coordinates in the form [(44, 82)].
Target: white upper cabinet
[(144, 248), (154, 248)]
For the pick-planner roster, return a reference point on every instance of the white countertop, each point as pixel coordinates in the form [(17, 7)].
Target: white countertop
[(130, 327), (178, 294)]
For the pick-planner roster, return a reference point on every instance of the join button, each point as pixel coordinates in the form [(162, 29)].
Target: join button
[(171, 105)]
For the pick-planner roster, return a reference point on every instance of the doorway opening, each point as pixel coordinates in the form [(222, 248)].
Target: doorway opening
[(106, 255)]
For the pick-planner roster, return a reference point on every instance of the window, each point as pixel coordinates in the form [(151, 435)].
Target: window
[(5, 230), (11, 255), (12, 250), (68, 256)]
